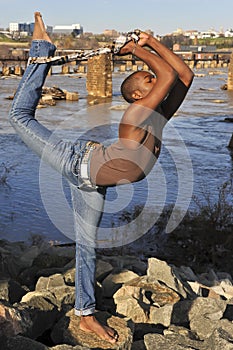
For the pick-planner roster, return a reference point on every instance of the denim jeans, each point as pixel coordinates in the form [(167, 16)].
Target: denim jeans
[(65, 157)]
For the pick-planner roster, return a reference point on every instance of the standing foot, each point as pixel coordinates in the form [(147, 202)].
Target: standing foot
[(90, 324), (39, 32)]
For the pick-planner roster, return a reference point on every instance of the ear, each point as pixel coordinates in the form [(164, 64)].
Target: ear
[(136, 95)]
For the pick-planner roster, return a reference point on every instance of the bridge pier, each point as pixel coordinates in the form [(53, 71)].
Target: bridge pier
[(230, 74), (99, 76)]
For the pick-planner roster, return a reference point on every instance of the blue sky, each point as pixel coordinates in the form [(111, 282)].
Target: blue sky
[(161, 16)]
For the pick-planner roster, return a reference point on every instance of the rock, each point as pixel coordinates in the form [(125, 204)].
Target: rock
[(25, 320), (204, 316), (69, 277), (11, 291), (180, 314), (127, 262), (135, 297), (47, 100), (49, 283), (29, 256), (203, 327), (212, 309), (55, 92), (161, 315), (114, 281), (69, 347), (171, 342), (162, 272), (201, 290), (138, 345), (67, 331), (21, 343), (72, 96), (29, 277), (13, 321), (65, 295), (49, 259), (103, 268), (222, 337), (129, 303), (51, 290), (44, 301)]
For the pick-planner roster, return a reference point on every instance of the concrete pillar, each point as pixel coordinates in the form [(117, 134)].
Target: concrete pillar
[(18, 70), (99, 76), (6, 71), (145, 67), (82, 69), (129, 65), (65, 69), (122, 68), (230, 74)]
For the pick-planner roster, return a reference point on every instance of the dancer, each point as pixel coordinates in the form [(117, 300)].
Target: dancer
[(90, 167)]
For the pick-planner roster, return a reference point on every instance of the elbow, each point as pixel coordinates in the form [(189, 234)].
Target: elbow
[(190, 78)]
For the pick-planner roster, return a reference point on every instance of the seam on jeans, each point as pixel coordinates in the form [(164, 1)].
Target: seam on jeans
[(80, 279), (22, 88)]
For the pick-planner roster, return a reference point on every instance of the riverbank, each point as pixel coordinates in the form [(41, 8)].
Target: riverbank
[(152, 304)]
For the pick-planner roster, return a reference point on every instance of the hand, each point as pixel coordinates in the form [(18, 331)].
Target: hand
[(144, 38), (127, 48)]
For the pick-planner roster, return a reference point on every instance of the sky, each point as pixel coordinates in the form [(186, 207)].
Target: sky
[(161, 16)]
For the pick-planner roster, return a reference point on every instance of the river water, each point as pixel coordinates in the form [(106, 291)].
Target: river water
[(194, 160)]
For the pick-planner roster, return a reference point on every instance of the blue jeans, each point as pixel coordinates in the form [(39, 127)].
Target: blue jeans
[(65, 157)]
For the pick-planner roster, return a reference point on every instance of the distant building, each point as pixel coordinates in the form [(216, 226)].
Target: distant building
[(209, 34), (76, 29), (229, 33), (192, 34), (194, 48), (111, 33), (25, 29)]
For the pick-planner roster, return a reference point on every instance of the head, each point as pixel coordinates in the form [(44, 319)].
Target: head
[(137, 85)]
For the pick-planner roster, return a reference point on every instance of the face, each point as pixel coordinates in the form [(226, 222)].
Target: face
[(146, 81)]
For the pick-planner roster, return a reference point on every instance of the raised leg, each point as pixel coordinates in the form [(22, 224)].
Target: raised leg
[(39, 32)]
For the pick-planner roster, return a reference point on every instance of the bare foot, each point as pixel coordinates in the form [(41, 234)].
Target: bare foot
[(39, 32), (90, 324)]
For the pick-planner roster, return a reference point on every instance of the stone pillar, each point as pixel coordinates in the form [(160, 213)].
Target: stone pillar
[(18, 70), (65, 69), (230, 74), (99, 76), (6, 71)]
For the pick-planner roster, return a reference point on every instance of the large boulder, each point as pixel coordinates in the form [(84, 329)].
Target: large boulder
[(67, 331), (139, 297)]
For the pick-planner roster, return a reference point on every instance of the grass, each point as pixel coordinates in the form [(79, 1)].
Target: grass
[(203, 240)]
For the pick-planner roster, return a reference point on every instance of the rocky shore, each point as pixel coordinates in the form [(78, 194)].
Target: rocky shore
[(152, 304)]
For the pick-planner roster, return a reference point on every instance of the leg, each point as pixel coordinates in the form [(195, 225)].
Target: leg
[(22, 114), (88, 206), (39, 32)]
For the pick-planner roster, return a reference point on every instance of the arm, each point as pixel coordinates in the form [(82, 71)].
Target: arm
[(185, 74), (150, 93)]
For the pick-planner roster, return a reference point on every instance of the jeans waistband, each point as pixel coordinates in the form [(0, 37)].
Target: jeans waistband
[(85, 162), (82, 164)]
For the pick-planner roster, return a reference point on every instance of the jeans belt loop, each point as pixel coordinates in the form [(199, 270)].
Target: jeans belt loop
[(84, 166)]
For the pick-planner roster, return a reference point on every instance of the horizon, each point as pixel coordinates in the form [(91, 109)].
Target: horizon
[(97, 16)]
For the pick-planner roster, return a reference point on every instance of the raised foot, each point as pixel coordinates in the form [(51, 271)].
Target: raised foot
[(39, 32), (90, 324)]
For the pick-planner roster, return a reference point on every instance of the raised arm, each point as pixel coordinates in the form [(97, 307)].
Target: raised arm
[(145, 91), (149, 92), (185, 74)]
